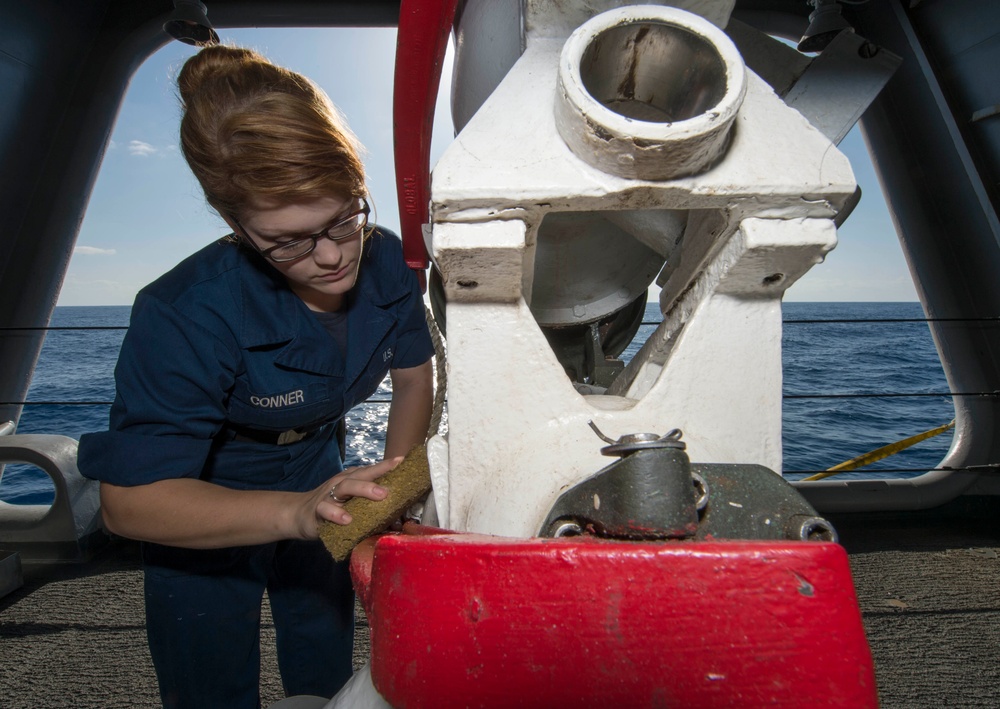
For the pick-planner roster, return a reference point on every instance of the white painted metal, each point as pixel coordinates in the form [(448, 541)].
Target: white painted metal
[(672, 57), (841, 83), (56, 532), (558, 18), (358, 693), (755, 221)]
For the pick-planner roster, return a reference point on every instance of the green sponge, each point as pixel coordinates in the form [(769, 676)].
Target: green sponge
[(407, 483)]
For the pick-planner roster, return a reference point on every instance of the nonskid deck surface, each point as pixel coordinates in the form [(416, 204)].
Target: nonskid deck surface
[(74, 636), (927, 585)]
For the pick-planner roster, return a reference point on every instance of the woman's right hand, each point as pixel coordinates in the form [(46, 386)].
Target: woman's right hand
[(326, 502)]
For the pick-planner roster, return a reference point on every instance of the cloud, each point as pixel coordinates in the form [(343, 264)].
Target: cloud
[(93, 251), (137, 147)]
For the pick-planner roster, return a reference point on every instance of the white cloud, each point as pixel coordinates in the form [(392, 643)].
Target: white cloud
[(137, 147), (93, 251)]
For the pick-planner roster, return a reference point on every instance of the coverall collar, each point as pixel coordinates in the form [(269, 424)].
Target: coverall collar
[(273, 314)]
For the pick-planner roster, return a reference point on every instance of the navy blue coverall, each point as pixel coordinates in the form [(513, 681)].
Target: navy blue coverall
[(219, 359)]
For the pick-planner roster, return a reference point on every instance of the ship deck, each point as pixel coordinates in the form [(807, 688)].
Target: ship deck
[(927, 585)]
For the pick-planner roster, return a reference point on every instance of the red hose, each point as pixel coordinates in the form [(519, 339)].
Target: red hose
[(421, 41)]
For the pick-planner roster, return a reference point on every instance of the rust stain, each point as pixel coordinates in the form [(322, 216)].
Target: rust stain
[(626, 89)]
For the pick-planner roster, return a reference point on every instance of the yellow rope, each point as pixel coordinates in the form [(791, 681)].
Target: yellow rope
[(880, 453)]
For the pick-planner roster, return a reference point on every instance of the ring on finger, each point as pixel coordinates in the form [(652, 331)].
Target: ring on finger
[(333, 496)]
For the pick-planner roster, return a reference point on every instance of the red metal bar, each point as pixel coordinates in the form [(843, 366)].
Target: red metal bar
[(420, 47), (466, 620), (363, 561)]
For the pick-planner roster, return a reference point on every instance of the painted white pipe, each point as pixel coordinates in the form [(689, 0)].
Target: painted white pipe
[(923, 492), (648, 92), (894, 494)]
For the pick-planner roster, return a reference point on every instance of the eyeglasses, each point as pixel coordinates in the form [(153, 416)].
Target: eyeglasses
[(340, 230)]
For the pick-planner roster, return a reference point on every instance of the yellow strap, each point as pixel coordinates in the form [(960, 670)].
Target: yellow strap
[(880, 453)]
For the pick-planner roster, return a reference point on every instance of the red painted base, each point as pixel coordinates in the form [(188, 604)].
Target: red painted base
[(466, 620)]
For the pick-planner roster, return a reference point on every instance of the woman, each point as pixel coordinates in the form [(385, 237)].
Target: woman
[(222, 455)]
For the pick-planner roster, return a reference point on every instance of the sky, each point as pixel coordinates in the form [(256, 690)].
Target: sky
[(147, 212)]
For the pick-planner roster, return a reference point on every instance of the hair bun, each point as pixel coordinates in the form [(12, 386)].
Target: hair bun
[(212, 63), (252, 130)]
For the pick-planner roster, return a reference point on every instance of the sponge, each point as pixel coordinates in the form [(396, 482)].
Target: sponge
[(407, 483)]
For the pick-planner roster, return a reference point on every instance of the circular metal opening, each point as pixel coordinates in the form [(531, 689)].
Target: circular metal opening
[(816, 529), (653, 72), (565, 528)]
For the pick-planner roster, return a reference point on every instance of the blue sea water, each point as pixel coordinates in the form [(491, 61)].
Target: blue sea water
[(818, 359)]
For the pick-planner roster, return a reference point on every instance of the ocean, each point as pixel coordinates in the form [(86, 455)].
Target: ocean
[(821, 360)]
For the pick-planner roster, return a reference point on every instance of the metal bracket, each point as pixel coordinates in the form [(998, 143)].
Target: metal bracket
[(841, 83), (655, 492)]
